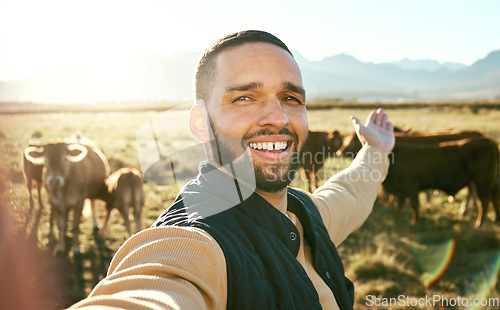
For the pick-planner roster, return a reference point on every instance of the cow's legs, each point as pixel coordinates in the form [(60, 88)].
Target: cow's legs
[(485, 192), (482, 206), (29, 185), (39, 190), (61, 225), (138, 203), (496, 201), (125, 213), (51, 221), (36, 222), (77, 213), (108, 214), (390, 200), (415, 206), (94, 215), (428, 194), (308, 177), (137, 216), (470, 201), (401, 201), (40, 204), (315, 176)]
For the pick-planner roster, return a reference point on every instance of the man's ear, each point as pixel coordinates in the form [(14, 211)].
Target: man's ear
[(198, 123)]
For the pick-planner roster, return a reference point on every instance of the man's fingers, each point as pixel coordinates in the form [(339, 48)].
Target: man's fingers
[(371, 118), (378, 130), (389, 127), (383, 120), (355, 120), (377, 119)]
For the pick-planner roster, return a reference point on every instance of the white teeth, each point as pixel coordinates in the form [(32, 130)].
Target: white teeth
[(269, 146)]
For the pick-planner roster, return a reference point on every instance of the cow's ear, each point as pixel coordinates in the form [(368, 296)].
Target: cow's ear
[(334, 134), (198, 125)]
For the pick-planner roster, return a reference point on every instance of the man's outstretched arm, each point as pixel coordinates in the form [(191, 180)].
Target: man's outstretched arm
[(347, 198)]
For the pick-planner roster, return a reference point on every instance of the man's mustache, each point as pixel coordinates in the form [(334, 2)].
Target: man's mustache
[(270, 132)]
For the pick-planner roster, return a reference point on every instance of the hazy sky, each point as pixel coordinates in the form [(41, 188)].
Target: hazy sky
[(42, 36)]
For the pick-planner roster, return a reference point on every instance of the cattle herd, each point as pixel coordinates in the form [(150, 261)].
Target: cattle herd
[(446, 160), (75, 169)]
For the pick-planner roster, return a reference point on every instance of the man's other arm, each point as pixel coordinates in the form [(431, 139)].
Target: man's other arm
[(163, 268), (346, 199)]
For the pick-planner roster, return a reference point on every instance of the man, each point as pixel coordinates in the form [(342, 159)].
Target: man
[(237, 236)]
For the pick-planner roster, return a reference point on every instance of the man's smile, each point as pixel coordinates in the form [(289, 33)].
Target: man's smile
[(271, 147)]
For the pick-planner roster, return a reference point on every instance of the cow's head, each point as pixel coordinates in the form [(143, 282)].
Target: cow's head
[(56, 157), (334, 141), (350, 146)]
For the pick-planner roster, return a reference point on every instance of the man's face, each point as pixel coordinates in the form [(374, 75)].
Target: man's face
[(259, 101)]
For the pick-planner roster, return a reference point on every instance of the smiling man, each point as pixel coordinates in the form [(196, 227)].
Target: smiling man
[(238, 236)]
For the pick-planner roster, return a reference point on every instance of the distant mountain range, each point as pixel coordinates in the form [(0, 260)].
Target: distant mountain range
[(149, 77), (344, 76)]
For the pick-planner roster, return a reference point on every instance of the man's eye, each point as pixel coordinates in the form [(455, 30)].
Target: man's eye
[(242, 98), (294, 99)]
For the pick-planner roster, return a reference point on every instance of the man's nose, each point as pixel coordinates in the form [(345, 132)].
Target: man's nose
[(273, 114)]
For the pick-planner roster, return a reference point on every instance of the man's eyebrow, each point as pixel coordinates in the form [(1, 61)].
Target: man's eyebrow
[(244, 87), (292, 87), (286, 85)]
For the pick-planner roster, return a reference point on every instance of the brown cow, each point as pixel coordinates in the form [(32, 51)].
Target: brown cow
[(351, 146), (448, 166), (124, 190), (319, 146), (351, 143), (73, 172)]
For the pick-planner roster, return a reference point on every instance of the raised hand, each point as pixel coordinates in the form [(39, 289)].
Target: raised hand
[(377, 131)]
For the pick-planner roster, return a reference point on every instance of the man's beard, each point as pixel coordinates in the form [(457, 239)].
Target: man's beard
[(269, 177)]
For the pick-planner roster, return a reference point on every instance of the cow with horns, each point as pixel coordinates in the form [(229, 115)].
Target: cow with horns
[(75, 169)]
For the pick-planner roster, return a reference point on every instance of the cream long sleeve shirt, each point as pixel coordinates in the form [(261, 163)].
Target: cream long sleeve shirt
[(184, 268)]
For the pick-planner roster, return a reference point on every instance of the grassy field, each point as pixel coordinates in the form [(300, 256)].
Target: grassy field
[(387, 257)]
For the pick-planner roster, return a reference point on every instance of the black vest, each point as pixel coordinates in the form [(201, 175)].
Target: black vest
[(260, 245)]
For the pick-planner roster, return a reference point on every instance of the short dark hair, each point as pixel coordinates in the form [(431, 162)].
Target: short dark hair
[(205, 72)]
